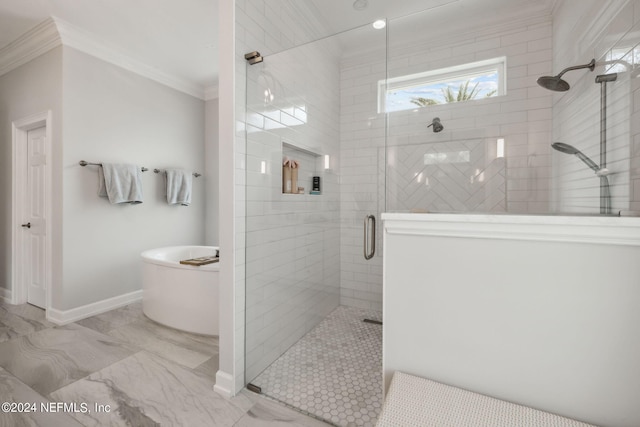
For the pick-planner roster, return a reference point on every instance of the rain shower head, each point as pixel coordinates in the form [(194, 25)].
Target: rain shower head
[(556, 83), (553, 83), (570, 149), (437, 126)]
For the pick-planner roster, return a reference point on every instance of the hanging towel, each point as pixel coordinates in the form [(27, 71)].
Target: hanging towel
[(179, 183), (121, 183)]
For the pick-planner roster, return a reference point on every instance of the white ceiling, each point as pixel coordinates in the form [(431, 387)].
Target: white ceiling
[(179, 37)]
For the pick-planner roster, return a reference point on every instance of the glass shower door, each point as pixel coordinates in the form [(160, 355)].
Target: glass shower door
[(314, 156)]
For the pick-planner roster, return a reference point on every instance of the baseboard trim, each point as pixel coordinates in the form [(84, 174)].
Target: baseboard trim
[(6, 296), (224, 384), (62, 317)]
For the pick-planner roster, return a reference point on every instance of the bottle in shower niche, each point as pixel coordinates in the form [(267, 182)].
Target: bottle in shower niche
[(286, 179), (289, 176), (315, 186), (294, 177)]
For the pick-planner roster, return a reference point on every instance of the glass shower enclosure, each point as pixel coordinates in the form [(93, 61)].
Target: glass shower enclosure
[(415, 117), (314, 181)]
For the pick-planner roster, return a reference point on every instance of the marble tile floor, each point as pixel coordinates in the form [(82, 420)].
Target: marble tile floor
[(334, 372), (144, 373)]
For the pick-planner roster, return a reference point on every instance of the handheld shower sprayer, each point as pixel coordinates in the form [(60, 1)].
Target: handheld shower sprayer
[(570, 149), (437, 126)]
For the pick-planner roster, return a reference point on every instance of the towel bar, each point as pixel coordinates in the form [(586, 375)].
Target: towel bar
[(196, 174), (85, 163)]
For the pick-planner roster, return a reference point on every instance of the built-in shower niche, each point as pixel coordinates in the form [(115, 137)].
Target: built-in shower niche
[(310, 164)]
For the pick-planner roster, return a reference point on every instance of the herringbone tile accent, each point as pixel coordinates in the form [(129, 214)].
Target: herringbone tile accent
[(448, 183)]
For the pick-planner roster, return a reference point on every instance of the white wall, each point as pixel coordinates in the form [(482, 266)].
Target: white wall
[(211, 179), (536, 310), (230, 375), (113, 115), (606, 31), (32, 88)]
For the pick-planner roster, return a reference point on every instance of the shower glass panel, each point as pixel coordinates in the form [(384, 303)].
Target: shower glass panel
[(313, 107), (471, 130)]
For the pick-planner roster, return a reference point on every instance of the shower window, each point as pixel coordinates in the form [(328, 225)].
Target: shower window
[(622, 58), (466, 82)]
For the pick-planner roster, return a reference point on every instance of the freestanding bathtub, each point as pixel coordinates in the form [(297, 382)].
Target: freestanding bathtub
[(181, 296)]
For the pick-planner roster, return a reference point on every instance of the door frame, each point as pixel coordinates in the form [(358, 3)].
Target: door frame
[(19, 131)]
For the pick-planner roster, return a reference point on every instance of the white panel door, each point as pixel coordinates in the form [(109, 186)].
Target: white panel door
[(36, 226)]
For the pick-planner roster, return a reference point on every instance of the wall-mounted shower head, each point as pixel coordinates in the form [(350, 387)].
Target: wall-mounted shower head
[(556, 83), (437, 126), (569, 149)]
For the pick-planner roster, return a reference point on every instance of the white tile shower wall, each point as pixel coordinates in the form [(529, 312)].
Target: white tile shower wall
[(522, 117), (292, 240), (608, 32), (520, 182)]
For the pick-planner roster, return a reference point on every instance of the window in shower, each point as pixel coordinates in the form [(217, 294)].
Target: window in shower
[(622, 59), (466, 82)]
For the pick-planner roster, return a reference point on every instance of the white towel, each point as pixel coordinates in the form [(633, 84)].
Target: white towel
[(179, 183), (121, 183)]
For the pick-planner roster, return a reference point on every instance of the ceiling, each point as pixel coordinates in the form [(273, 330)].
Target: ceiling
[(180, 38)]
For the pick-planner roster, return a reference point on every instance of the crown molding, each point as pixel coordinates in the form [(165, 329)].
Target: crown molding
[(86, 42), (54, 32), (35, 42)]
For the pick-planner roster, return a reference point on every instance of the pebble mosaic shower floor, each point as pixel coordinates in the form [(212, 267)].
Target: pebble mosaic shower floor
[(334, 372)]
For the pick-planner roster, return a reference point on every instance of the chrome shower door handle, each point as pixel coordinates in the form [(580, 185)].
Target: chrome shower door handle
[(369, 236)]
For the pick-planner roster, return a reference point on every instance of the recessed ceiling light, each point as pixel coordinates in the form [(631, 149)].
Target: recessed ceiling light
[(360, 4), (379, 24)]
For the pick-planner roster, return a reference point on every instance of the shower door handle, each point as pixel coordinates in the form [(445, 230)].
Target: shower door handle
[(369, 236)]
